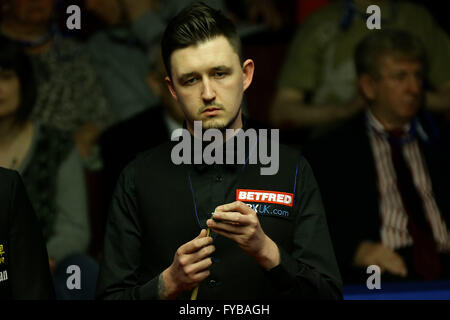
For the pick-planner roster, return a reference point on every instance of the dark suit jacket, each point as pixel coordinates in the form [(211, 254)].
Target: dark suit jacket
[(119, 145), (24, 268), (345, 170)]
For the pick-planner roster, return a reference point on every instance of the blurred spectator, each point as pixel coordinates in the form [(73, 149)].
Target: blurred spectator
[(317, 83), (265, 28), (124, 141), (69, 96), (251, 15), (384, 175), (23, 257), (306, 7), (45, 157), (438, 10), (120, 53)]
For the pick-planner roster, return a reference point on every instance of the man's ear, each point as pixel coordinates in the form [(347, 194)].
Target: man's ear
[(248, 68), (171, 87), (367, 85)]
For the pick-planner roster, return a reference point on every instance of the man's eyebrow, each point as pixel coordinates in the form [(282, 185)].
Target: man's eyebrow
[(186, 76), (222, 68)]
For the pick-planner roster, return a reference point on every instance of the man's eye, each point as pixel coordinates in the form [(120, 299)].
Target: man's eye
[(220, 74), (189, 81)]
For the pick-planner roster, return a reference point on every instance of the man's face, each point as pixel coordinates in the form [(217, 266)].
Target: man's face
[(208, 81), (397, 95)]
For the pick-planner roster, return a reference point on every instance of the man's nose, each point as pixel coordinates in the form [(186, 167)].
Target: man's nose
[(208, 93)]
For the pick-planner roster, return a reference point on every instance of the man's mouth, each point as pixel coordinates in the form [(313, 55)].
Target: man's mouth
[(412, 102), (212, 111)]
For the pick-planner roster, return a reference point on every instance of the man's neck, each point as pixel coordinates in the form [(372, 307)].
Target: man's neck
[(389, 122)]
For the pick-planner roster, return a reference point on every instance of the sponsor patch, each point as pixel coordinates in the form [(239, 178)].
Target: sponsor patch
[(268, 210), (275, 197)]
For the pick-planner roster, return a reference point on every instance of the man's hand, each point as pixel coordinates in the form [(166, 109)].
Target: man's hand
[(189, 267), (371, 253), (240, 223)]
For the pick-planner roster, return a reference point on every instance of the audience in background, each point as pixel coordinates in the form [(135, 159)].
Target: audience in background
[(251, 15), (69, 96), (306, 7), (384, 175), (80, 90), (45, 157), (316, 87), (121, 143)]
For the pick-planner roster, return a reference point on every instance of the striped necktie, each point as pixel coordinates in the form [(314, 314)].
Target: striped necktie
[(425, 255)]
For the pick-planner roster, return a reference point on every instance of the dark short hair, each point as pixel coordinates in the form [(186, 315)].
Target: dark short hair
[(195, 24), (378, 43), (13, 57)]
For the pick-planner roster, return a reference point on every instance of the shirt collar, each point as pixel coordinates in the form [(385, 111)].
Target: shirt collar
[(172, 125), (412, 130), (378, 127), (233, 166)]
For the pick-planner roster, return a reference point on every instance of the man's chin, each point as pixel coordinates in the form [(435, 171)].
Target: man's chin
[(220, 122), (410, 111), (214, 123)]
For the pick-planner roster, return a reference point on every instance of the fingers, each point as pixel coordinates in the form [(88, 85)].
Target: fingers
[(236, 206), (194, 280), (190, 265), (393, 263), (369, 253), (235, 213), (202, 234), (230, 227), (232, 236), (191, 262), (238, 222), (193, 256), (195, 245), (232, 217), (188, 259), (194, 269)]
